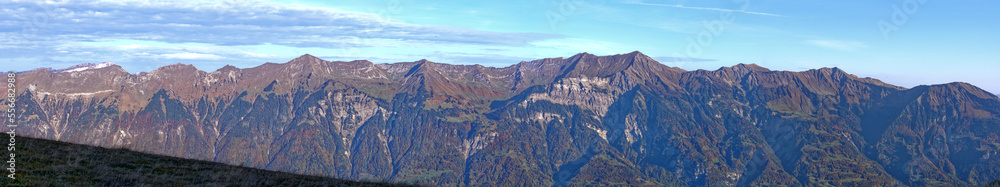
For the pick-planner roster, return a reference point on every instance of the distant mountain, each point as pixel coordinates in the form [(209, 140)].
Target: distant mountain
[(583, 120), (85, 66), (74, 68)]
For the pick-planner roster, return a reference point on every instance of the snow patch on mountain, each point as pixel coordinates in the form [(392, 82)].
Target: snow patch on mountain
[(85, 94), (86, 66)]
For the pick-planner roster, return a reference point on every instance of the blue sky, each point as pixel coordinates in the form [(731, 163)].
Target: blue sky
[(902, 42)]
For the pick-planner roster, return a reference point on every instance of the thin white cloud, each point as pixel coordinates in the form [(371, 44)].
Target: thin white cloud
[(65, 31), (131, 46), (190, 56), (843, 45), (707, 8), (232, 23), (256, 55), (581, 45)]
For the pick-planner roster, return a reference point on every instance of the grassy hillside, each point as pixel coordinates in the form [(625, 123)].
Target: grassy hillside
[(50, 163)]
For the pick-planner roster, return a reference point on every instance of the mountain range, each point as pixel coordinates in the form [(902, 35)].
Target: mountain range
[(583, 120)]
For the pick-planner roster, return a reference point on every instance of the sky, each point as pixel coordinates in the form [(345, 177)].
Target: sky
[(901, 42)]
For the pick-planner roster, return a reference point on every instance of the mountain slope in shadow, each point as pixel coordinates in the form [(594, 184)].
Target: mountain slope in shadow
[(50, 163)]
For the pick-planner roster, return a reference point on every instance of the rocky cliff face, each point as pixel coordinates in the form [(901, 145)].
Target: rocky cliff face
[(584, 120)]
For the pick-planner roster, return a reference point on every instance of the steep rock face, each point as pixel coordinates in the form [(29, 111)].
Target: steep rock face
[(943, 132), (577, 121)]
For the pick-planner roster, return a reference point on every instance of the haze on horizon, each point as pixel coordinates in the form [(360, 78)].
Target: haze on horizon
[(901, 42)]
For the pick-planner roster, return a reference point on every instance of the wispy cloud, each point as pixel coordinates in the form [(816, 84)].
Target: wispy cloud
[(223, 26), (241, 23), (190, 56), (582, 45), (843, 45), (707, 8)]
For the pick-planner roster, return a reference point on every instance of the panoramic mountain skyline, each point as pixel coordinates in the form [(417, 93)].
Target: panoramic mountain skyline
[(621, 119), (506, 93), (908, 43)]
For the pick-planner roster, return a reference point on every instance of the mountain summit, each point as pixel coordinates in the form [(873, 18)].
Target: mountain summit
[(585, 120), (85, 66)]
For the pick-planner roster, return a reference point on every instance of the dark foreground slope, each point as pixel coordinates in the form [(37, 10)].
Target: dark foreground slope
[(51, 163), (585, 120)]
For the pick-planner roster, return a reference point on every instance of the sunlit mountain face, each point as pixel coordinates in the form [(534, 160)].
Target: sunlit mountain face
[(502, 93), (622, 119)]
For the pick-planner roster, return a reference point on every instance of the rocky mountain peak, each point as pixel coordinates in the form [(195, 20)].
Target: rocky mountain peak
[(422, 67), (634, 64), (638, 55), (423, 61), (959, 88), (227, 68), (748, 67), (86, 66), (306, 59), (833, 72), (364, 62), (582, 55), (741, 69), (177, 66), (178, 69)]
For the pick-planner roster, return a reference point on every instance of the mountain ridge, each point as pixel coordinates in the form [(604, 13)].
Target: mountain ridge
[(740, 68), (581, 120)]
